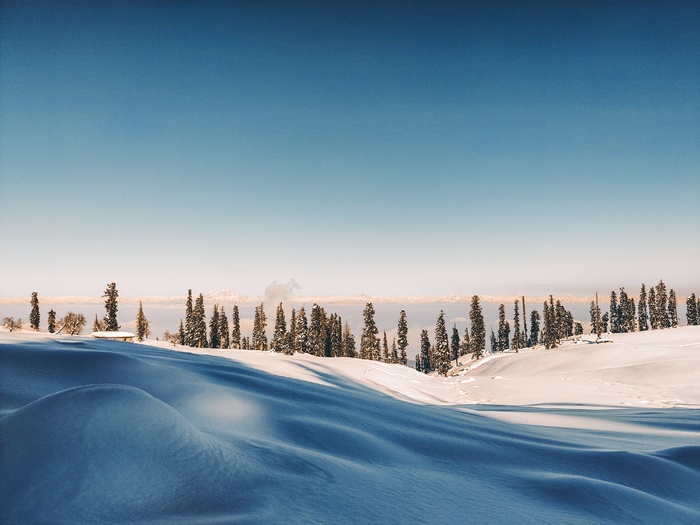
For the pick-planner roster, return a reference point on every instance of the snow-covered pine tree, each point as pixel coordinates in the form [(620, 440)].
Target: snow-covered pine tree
[(578, 328), (369, 343), (52, 321), (143, 329), (199, 324), (291, 333), (235, 328), (516, 327), (425, 364), (402, 334), (189, 320), (672, 309), (279, 337), (642, 310), (478, 335), (691, 310), (224, 337), (214, 341), (394, 351), (34, 316), (534, 328), (259, 341), (653, 314), (662, 305), (385, 349), (317, 331), (523, 336), (502, 337), (110, 318), (614, 314), (301, 344), (336, 336), (181, 333), (465, 345), (442, 346), (349, 349), (455, 345), (604, 320), (494, 343)]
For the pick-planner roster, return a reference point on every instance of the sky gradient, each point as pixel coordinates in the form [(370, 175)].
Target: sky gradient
[(399, 148)]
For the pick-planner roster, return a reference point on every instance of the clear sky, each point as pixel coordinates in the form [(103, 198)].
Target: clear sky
[(357, 147)]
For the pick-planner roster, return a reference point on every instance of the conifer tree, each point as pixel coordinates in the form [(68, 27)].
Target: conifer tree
[(349, 349), (549, 328), (110, 318), (52, 321), (385, 349), (97, 325), (336, 336), (465, 346), (516, 328), (301, 344), (279, 338), (442, 346), (214, 341), (672, 309), (478, 335), (662, 305), (614, 314), (691, 310), (534, 328), (653, 314), (604, 320), (189, 320), (224, 337), (235, 328), (369, 343), (455, 345), (291, 333), (317, 331), (402, 334), (425, 364), (181, 333), (199, 324), (502, 336), (259, 341), (642, 310), (494, 343), (143, 329), (34, 317), (578, 328), (394, 351)]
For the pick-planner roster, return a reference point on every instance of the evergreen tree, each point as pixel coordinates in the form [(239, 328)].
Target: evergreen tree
[(402, 334), (465, 346), (442, 346), (301, 344), (369, 343), (425, 364), (259, 341), (34, 317), (604, 320), (224, 337), (189, 320), (534, 328), (549, 328), (454, 345), (643, 311), (672, 309), (662, 305), (181, 333), (394, 351), (199, 324), (502, 335), (52, 321), (578, 328), (349, 349), (336, 336), (143, 329), (317, 331), (478, 335), (235, 328), (279, 338), (614, 314), (97, 325), (214, 341), (385, 349), (110, 318), (653, 314), (691, 310), (627, 313), (291, 333), (516, 328), (494, 343)]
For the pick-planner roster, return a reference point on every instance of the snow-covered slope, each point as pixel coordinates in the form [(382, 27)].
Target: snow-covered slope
[(108, 432)]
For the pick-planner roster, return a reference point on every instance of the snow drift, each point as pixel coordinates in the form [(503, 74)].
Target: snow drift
[(108, 432)]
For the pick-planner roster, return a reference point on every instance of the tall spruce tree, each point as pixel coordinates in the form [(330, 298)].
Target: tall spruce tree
[(394, 351), (385, 349), (691, 310), (534, 328), (259, 341), (478, 335), (181, 333), (369, 343), (454, 345), (349, 348), (224, 337), (465, 346), (614, 314), (653, 314), (642, 310), (235, 328), (34, 317), (110, 318), (425, 364), (336, 336), (662, 305), (402, 334), (199, 324), (279, 338), (214, 341), (672, 309), (317, 331), (52, 321), (291, 333), (442, 346), (517, 335), (502, 336), (494, 343), (189, 320), (143, 329), (301, 345)]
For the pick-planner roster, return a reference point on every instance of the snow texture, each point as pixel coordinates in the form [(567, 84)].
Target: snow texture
[(96, 431)]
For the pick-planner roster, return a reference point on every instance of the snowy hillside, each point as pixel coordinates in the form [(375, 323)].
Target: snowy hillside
[(108, 432)]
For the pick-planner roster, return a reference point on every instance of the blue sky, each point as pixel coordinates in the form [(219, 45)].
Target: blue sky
[(399, 148)]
